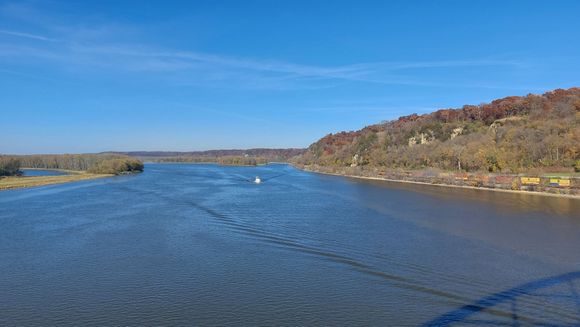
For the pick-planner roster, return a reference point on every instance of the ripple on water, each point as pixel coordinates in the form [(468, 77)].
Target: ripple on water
[(199, 244)]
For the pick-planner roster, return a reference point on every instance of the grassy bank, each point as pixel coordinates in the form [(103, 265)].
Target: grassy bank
[(14, 182)]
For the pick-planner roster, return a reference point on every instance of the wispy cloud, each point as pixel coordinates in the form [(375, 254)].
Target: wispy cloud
[(228, 114), (96, 49), (27, 35), (448, 63)]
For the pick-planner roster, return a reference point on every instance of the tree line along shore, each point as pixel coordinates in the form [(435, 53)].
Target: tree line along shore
[(79, 166)]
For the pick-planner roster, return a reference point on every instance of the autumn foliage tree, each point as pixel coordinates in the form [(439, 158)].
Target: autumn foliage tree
[(9, 166)]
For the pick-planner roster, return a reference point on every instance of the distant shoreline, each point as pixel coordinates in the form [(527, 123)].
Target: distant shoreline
[(205, 163), (569, 196)]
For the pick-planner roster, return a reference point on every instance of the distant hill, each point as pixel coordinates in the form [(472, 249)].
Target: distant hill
[(283, 153), (227, 157), (511, 134)]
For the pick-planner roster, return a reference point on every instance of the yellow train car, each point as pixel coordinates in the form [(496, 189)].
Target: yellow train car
[(560, 182), (530, 180)]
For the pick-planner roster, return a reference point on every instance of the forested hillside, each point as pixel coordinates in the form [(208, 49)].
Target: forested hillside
[(513, 134), (91, 163)]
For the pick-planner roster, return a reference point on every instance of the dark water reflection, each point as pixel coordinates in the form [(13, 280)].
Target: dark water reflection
[(199, 245), (41, 172)]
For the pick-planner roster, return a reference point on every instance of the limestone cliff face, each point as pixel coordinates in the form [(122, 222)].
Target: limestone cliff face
[(422, 138)]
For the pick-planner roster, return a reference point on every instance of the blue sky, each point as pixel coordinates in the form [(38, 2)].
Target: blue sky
[(162, 75)]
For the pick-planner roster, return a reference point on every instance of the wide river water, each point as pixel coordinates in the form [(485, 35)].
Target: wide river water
[(203, 245)]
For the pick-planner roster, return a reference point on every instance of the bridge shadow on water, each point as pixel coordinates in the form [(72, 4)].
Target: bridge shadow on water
[(552, 301)]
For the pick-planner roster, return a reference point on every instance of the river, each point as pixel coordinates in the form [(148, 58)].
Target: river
[(203, 245), (41, 172)]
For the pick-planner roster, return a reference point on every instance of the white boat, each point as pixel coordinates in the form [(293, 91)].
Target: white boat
[(257, 180)]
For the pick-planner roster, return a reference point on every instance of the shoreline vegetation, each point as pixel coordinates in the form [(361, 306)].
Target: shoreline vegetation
[(77, 166), (511, 183)]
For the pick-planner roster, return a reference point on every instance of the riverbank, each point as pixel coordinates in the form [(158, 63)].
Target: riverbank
[(506, 183), (14, 182)]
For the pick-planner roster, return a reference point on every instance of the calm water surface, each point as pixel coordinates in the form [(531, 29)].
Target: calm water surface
[(41, 172), (200, 245)]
